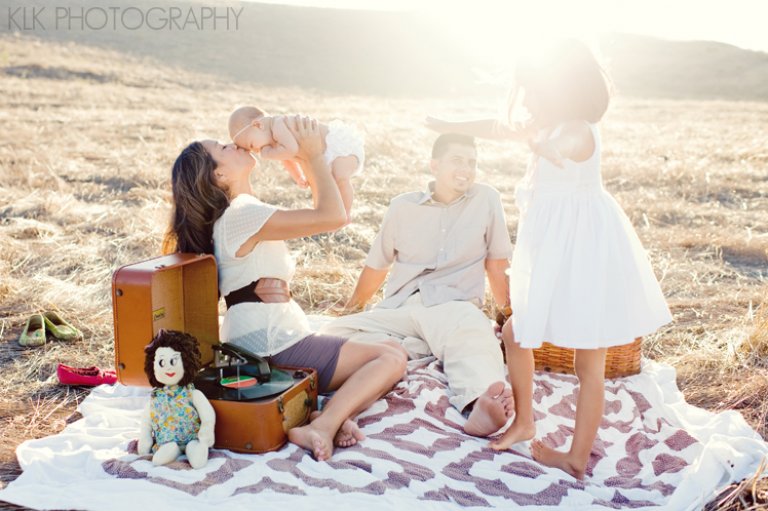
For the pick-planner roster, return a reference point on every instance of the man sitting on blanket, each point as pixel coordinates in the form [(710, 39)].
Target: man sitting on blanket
[(440, 244)]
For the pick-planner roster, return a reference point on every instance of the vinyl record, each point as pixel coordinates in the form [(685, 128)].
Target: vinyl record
[(208, 382), (238, 382)]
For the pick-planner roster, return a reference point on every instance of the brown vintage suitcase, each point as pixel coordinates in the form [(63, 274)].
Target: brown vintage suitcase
[(180, 292)]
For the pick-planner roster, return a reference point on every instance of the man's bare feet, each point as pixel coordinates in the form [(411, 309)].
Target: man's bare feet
[(556, 459), (490, 411), (348, 434), (313, 439), (519, 431), (509, 402)]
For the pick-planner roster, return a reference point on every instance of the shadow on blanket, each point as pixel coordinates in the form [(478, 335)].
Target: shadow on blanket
[(654, 451)]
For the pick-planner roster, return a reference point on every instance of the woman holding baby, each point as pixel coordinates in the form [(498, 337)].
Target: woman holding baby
[(215, 211)]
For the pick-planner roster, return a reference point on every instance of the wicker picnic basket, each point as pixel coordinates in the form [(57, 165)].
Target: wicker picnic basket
[(620, 361)]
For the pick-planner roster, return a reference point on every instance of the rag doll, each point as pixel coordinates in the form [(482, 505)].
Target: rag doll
[(178, 419)]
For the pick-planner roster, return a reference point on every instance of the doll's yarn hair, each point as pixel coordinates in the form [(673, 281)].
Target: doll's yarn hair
[(182, 342)]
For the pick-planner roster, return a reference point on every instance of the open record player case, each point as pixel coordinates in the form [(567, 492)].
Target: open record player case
[(180, 292)]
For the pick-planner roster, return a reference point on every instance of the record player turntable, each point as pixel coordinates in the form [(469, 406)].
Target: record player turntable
[(237, 375), (255, 404)]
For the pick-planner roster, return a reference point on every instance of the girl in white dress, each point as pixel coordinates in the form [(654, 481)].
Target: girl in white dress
[(579, 276)]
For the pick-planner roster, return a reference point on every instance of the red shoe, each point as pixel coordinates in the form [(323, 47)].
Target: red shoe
[(86, 376)]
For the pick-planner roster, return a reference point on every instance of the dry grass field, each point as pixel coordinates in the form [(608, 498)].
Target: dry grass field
[(89, 136)]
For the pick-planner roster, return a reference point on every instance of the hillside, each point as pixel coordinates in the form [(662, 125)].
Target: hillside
[(644, 66)]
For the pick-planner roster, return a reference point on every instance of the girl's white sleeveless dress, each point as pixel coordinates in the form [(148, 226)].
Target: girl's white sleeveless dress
[(579, 276)]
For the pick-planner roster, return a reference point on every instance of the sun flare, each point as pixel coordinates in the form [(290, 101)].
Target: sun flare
[(493, 25)]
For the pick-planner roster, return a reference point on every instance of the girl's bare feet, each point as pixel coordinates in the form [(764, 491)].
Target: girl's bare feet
[(490, 411), (519, 431), (556, 459)]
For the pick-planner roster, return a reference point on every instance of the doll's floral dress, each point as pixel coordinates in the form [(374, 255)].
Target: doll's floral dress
[(173, 416)]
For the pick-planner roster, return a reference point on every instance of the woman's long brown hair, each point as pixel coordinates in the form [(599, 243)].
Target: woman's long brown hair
[(197, 202)]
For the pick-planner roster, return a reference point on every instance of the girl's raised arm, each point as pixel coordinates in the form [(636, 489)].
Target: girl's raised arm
[(482, 128)]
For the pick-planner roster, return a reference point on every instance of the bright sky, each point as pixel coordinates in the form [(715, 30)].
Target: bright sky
[(491, 22)]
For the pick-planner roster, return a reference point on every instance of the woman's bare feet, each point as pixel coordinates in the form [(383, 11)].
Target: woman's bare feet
[(490, 411), (556, 459), (312, 439), (348, 434), (519, 431)]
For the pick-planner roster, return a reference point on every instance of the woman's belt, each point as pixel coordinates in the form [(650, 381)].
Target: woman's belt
[(264, 290)]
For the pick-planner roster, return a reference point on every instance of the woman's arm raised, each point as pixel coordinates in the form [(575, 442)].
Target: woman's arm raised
[(328, 212)]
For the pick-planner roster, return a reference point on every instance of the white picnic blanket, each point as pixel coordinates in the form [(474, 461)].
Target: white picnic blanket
[(654, 452)]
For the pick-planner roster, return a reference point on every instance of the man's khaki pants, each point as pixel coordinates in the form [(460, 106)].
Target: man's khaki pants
[(457, 333)]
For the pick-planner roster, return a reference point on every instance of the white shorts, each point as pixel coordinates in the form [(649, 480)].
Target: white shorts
[(344, 140)]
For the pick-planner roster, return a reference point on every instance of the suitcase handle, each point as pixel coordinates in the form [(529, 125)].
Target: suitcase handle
[(226, 355)]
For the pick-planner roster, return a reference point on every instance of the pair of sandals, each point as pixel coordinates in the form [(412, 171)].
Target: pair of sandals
[(38, 325)]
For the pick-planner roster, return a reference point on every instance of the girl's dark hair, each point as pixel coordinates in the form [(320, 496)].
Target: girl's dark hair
[(570, 83), (178, 341), (197, 202)]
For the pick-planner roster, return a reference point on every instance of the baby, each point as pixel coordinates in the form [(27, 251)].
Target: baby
[(254, 130)]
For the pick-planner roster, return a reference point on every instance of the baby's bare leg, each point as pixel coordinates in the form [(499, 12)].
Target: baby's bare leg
[(294, 170), (342, 169), (347, 193)]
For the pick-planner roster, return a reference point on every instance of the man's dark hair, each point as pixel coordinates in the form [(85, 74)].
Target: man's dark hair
[(445, 140)]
